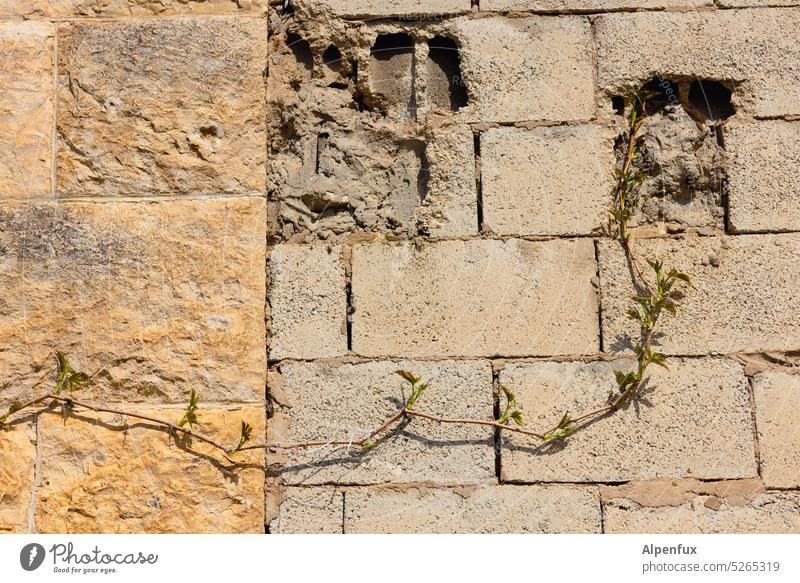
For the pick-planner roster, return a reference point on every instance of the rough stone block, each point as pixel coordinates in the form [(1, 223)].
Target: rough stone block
[(762, 59), (103, 474), (763, 176), (160, 107), (777, 398), (27, 97), (547, 181), (160, 296), (694, 420), (526, 69), (416, 9), (17, 466), (478, 509), (756, 3), (690, 506), (475, 298), (38, 8), (743, 296), (590, 5), (308, 302), (310, 511), (349, 400)]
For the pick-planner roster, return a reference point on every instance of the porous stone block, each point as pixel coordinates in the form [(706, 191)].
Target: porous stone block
[(39, 8), (777, 399), (547, 181), (475, 298), (743, 296), (416, 9), (589, 5), (477, 509), (693, 420), (101, 473), (156, 298), (309, 511), (27, 108), (17, 474), (162, 107), (347, 401), (308, 302)]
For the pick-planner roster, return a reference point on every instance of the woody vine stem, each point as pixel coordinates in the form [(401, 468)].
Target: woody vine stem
[(653, 297)]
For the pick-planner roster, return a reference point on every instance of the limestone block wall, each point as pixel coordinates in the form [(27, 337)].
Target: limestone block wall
[(279, 203)]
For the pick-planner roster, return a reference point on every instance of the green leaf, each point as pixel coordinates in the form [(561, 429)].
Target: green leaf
[(516, 416), (369, 444), (508, 394), (410, 377)]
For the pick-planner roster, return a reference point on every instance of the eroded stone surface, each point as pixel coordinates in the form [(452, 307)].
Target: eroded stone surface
[(777, 398), (693, 420), (419, 9), (348, 400), (102, 474), (37, 8), (478, 509), (743, 296), (157, 107), (474, 298), (161, 297), (309, 511), (27, 96), (17, 461), (590, 5)]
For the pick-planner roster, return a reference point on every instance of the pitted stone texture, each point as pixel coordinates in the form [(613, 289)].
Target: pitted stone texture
[(661, 435), (762, 59), (160, 107), (103, 474), (158, 297), (743, 296), (756, 3), (777, 398), (349, 400), (38, 8), (308, 302), (680, 507), (590, 5), (475, 298), (17, 461), (27, 96), (526, 69), (419, 9), (547, 181), (763, 175), (478, 509), (309, 511)]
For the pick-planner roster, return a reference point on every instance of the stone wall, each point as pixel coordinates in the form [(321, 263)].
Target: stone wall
[(280, 203)]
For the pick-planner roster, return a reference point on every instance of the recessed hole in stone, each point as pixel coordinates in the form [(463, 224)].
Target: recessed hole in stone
[(663, 93), (618, 104), (392, 72), (445, 86), (301, 50), (332, 58), (709, 101)]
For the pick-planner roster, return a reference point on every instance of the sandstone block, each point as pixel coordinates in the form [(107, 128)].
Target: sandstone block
[(418, 9), (761, 59), (158, 297), (308, 302), (590, 5), (763, 176), (693, 420), (478, 509), (690, 506), (17, 465), (103, 474), (756, 3), (475, 298), (547, 181), (743, 296), (38, 8), (27, 98), (160, 107), (310, 511), (525, 69), (346, 401), (777, 398)]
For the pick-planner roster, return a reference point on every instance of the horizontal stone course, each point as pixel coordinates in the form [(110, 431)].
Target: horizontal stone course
[(474, 298), (481, 509), (592, 5), (777, 401), (61, 8), (417, 9)]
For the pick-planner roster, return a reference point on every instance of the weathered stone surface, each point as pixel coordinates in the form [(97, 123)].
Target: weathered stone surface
[(694, 420), (101, 474), (34, 8), (524, 69), (689, 506), (349, 400), (777, 398), (17, 461), (547, 181), (419, 9), (157, 107), (27, 96), (746, 3), (475, 298), (308, 302), (589, 5), (309, 511), (743, 296), (762, 59), (479, 509), (162, 296), (763, 176)]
